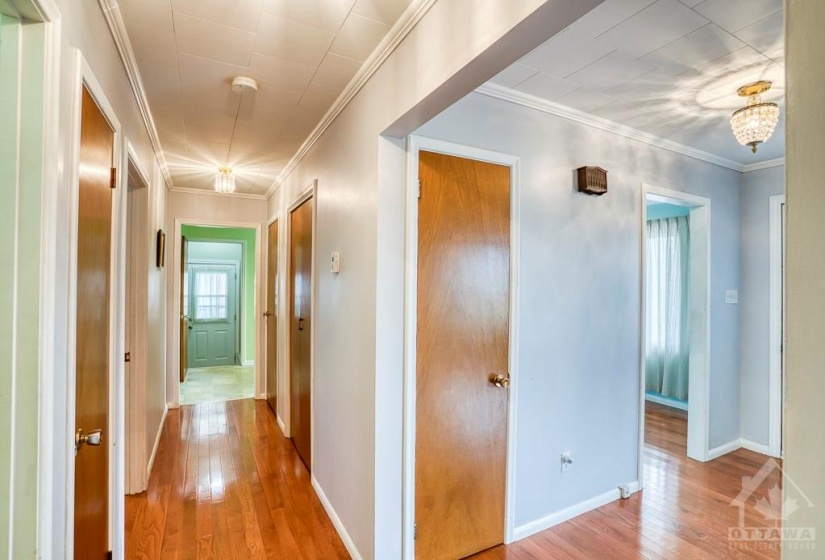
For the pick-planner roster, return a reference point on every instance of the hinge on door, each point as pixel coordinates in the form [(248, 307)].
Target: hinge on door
[(415, 531), (128, 357), (113, 178), (419, 188)]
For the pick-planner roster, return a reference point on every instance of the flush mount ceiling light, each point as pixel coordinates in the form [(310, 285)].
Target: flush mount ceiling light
[(754, 123), (225, 181)]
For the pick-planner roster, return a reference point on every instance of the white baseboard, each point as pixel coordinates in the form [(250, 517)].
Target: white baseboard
[(155, 447), (666, 402), (336, 521), (281, 425), (533, 527), (247, 362), (724, 449), (755, 447)]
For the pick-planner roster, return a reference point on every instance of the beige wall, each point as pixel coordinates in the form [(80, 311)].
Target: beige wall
[(805, 351)]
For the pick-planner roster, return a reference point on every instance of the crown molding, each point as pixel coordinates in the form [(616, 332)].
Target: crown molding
[(408, 20), (208, 192), (545, 106), (763, 165), (117, 27)]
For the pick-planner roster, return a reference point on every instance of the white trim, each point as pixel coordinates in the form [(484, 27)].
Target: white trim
[(173, 319), (247, 362), (281, 425), (763, 165), (549, 107), (699, 382), (154, 453), (336, 521), (664, 401), (185, 190), (414, 145), (83, 75), (309, 193), (548, 521), (776, 397), (117, 27), (755, 447), (724, 449), (405, 24)]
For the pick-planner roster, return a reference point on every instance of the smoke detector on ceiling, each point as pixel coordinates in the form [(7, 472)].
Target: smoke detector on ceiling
[(242, 84)]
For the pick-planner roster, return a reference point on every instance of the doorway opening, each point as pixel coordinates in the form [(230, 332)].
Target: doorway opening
[(218, 342), (777, 326), (675, 324)]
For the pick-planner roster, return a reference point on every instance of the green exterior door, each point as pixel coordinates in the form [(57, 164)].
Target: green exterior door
[(213, 314)]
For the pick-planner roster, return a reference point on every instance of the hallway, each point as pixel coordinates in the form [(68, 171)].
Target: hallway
[(227, 484)]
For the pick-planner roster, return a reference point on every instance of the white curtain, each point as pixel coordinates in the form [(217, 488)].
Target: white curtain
[(211, 292), (667, 307)]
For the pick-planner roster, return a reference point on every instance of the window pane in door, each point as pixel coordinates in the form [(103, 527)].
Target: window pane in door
[(211, 294)]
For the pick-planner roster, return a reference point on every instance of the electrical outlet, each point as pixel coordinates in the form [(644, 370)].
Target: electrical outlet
[(566, 461)]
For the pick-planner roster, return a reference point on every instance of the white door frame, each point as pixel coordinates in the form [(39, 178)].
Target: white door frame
[(137, 474), (281, 336), (414, 145), (173, 369), (700, 271), (237, 266), (309, 192), (777, 295), (83, 76)]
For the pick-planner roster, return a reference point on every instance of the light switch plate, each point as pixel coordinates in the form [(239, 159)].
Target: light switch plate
[(731, 296), (335, 263)]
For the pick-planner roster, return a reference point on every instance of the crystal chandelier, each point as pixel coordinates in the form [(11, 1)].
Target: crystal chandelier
[(754, 123), (225, 181)]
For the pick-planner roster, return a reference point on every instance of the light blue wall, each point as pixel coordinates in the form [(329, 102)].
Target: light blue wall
[(579, 324), (661, 210), (754, 299)]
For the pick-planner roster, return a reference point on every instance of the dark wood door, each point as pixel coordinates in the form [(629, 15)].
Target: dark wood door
[(300, 329), (184, 316), (94, 244), (462, 339), (272, 319)]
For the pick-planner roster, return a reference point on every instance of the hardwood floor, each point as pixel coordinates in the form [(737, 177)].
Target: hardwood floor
[(227, 484), (683, 513)]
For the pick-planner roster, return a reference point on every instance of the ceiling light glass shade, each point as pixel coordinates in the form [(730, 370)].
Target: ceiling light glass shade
[(224, 181), (755, 123)]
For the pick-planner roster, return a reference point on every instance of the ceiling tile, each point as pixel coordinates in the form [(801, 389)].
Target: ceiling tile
[(152, 45), (207, 84), (296, 42), (610, 71), (385, 11), (765, 35), (733, 15), (261, 125), (162, 83), (691, 51), (213, 153), (200, 133), (240, 14), (336, 71), (169, 121), (171, 135), (197, 36), (358, 37), (565, 53), (691, 3), (654, 27), (546, 86), (318, 98), (513, 75), (607, 15), (585, 100), (267, 99), (323, 14), (281, 74), (777, 55), (148, 13)]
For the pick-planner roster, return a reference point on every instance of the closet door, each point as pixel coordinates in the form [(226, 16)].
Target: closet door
[(300, 221)]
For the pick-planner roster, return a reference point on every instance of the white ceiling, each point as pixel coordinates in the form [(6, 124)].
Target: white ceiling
[(665, 67), (302, 53)]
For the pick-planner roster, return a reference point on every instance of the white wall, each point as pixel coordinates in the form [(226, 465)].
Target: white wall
[(579, 352), (458, 45), (805, 352), (754, 299)]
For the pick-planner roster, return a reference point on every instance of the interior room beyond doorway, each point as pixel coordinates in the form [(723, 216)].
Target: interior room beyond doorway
[(217, 304)]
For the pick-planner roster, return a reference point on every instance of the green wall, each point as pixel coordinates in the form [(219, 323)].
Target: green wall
[(201, 233)]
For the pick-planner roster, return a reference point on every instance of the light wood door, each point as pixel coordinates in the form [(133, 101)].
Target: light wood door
[(184, 316), (300, 325), (94, 243), (462, 338), (272, 319)]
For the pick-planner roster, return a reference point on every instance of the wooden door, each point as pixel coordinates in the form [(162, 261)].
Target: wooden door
[(213, 323), (272, 319), (300, 328), (462, 339), (184, 315), (94, 243)]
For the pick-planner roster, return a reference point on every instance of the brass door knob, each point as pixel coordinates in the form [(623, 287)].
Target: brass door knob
[(93, 439), (499, 380), (267, 313)]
